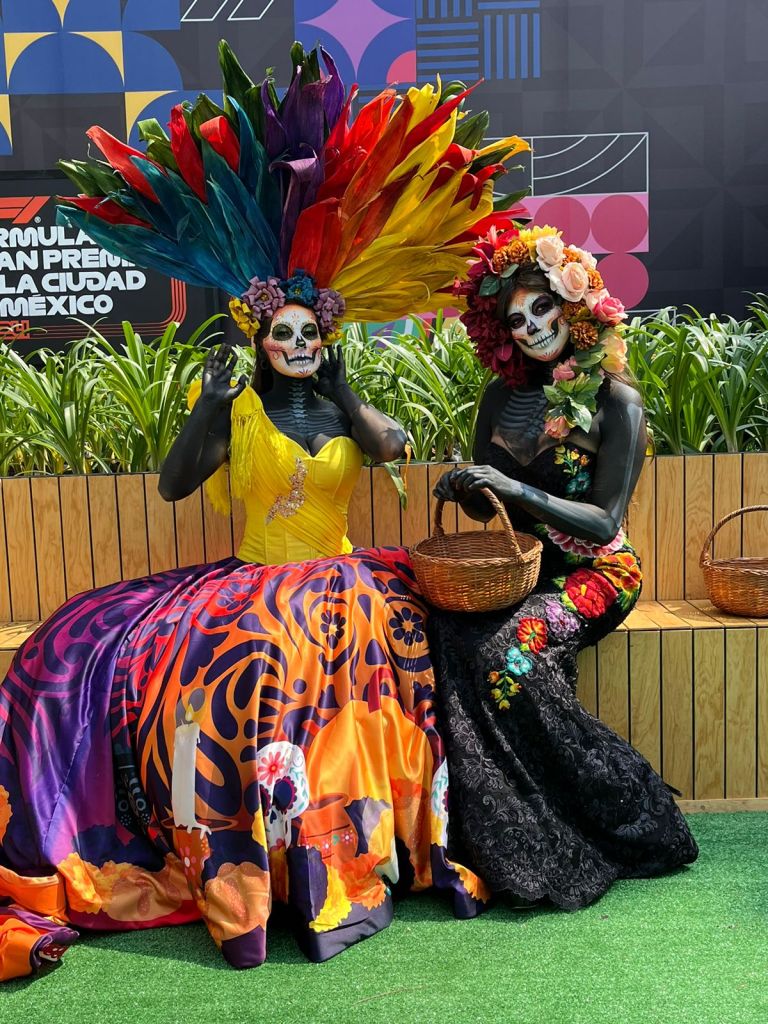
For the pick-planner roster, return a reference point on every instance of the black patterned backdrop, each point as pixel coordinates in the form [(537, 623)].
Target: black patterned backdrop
[(647, 120)]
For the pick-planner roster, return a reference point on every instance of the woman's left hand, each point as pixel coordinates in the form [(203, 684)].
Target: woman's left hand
[(331, 378), (475, 478)]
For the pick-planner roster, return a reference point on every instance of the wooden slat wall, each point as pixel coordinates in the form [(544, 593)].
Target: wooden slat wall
[(61, 536), (693, 701), (693, 698)]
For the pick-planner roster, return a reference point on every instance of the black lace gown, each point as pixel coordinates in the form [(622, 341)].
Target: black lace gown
[(547, 803)]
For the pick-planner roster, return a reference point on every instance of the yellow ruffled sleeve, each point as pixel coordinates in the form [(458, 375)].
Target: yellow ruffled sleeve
[(217, 485)]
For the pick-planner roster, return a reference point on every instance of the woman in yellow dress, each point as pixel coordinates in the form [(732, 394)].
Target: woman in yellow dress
[(200, 742)]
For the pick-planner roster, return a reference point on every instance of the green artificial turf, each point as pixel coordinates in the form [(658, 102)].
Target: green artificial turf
[(691, 948)]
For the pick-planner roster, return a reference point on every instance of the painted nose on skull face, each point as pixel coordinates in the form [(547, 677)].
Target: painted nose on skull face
[(293, 345), (536, 323)]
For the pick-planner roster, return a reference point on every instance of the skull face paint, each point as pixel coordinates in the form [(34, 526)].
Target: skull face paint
[(536, 324), (293, 345)]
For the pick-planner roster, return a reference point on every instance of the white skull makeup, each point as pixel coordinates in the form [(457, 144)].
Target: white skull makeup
[(293, 345), (536, 323)]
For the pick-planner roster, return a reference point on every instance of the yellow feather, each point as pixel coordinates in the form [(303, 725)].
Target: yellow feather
[(427, 153)]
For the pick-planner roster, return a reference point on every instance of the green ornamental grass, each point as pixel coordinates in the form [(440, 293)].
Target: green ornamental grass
[(104, 407)]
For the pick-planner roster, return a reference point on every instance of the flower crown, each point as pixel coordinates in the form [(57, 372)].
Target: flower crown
[(263, 299), (593, 316)]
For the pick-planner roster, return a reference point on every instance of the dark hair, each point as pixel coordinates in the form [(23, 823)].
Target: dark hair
[(262, 378), (532, 278)]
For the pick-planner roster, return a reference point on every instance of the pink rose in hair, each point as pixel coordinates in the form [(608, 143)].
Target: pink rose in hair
[(604, 307), (570, 281), (557, 427), (549, 251), (563, 371)]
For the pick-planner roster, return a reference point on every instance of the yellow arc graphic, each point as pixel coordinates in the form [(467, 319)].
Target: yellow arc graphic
[(61, 6)]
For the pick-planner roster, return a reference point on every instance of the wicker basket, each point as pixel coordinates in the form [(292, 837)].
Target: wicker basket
[(737, 585), (478, 571)]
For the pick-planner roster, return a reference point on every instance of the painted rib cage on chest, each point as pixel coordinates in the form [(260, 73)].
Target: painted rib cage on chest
[(308, 425), (522, 416)]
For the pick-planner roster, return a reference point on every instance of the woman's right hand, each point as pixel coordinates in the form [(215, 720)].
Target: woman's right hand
[(217, 377), (444, 488)]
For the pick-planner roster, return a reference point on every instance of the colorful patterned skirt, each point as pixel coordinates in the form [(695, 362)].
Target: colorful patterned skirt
[(199, 742)]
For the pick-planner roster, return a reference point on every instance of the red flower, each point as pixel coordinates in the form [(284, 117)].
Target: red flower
[(533, 633), (220, 135), (589, 592)]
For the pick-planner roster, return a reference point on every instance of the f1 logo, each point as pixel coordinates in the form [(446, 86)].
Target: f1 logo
[(21, 209)]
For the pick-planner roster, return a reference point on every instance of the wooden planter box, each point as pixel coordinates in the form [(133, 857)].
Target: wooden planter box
[(686, 684)]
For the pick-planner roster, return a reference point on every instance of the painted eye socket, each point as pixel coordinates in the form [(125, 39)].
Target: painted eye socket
[(515, 321), (310, 332), (542, 305), (282, 333)]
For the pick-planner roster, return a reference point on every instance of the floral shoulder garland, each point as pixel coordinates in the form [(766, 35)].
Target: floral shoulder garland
[(594, 317)]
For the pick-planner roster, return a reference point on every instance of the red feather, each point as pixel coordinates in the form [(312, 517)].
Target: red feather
[(379, 163), (345, 153), (337, 141), (187, 154), (316, 240), (458, 156), (105, 209), (119, 157), (220, 134)]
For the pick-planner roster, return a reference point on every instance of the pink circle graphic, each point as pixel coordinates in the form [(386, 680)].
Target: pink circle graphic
[(568, 215), (402, 70), (619, 224), (626, 277)]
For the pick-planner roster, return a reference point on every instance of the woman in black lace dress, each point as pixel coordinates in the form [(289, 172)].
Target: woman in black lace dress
[(547, 802)]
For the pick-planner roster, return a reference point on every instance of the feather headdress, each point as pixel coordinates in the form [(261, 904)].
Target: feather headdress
[(298, 200)]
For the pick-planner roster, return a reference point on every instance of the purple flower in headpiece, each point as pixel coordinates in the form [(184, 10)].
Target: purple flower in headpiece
[(329, 307), (265, 297)]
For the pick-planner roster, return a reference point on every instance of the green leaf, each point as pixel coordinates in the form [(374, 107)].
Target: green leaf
[(491, 285), (502, 203), (471, 131), (582, 417), (507, 272)]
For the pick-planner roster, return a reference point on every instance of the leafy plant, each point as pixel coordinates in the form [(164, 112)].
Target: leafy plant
[(704, 380)]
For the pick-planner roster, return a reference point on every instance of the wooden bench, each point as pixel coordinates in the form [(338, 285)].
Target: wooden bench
[(686, 684)]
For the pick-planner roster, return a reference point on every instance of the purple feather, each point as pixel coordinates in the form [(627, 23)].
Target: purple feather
[(305, 177), (303, 115), (334, 95), (275, 139)]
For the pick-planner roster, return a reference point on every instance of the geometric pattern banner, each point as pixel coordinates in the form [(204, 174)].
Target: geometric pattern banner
[(648, 121)]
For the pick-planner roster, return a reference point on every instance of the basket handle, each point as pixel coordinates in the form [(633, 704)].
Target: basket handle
[(704, 560), (498, 508)]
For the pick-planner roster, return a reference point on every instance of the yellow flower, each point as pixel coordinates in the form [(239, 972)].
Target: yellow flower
[(530, 235), (496, 694), (504, 704), (333, 337), (243, 316)]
